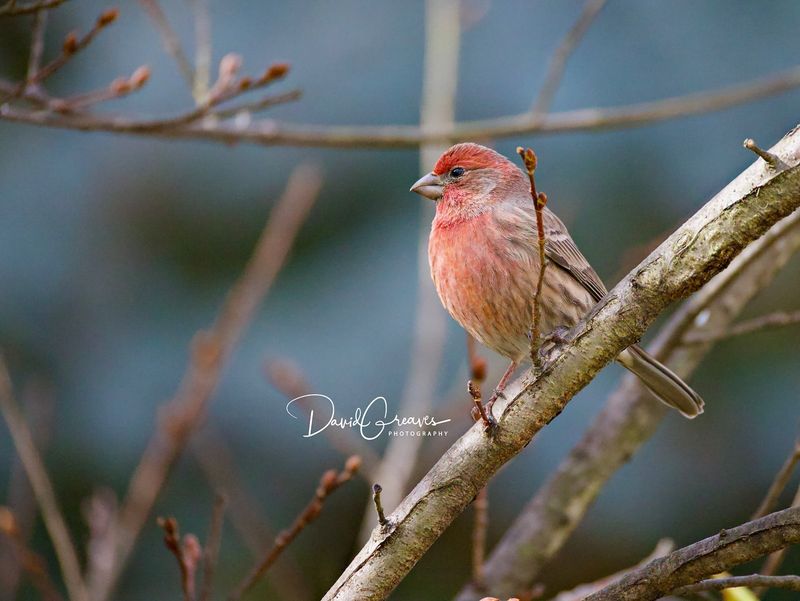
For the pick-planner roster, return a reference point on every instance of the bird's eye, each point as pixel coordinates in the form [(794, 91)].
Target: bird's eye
[(456, 172)]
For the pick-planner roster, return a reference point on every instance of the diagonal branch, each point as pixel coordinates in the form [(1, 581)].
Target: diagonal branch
[(699, 249), (630, 417), (703, 559), (558, 62)]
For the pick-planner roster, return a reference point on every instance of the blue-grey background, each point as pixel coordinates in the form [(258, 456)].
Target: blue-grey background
[(115, 250)]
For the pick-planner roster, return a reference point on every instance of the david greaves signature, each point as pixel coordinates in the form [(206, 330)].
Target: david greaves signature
[(372, 421)]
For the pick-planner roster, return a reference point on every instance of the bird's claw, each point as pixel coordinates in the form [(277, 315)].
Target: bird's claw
[(550, 343)]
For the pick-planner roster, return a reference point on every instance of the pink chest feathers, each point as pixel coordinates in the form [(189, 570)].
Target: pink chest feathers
[(484, 282)]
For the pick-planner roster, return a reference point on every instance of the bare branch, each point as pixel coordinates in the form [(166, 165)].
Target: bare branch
[(698, 250), (705, 558), (37, 44), (42, 488), (12, 9), (775, 560), (186, 551), (31, 563), (210, 352), (772, 160), (630, 417), (268, 132), (791, 583), (329, 482), (558, 62), (778, 319)]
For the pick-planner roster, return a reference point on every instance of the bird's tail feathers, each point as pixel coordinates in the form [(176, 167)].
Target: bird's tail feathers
[(662, 382)]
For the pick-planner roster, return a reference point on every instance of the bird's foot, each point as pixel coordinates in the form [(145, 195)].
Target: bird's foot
[(550, 343)]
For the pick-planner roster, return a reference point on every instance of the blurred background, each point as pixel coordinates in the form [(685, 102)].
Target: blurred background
[(114, 251)]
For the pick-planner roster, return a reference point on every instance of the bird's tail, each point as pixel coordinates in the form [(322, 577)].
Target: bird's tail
[(665, 385)]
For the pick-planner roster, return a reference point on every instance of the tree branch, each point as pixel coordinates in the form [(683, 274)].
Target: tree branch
[(630, 417), (703, 559), (764, 322), (268, 132), (699, 249), (42, 489)]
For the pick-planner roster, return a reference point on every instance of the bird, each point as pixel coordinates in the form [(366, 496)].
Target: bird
[(483, 252)]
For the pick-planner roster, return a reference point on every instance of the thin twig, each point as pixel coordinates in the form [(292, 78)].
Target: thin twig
[(791, 583), (38, 406), (30, 562), (558, 62), (72, 45), (329, 482), (211, 550), (539, 201), (778, 319), (202, 51), (169, 39), (377, 489), (37, 43), (42, 488), (186, 551), (480, 527), (211, 351), (12, 9), (479, 411), (269, 132), (779, 482), (100, 514), (771, 159), (245, 515)]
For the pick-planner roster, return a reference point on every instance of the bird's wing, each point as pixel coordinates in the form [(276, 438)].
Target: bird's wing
[(561, 250)]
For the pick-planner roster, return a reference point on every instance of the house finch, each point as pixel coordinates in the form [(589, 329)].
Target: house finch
[(484, 260)]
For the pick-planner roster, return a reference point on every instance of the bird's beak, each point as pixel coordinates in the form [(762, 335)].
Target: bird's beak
[(429, 186)]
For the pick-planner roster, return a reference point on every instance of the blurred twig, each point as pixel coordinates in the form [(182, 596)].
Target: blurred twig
[(630, 416), (187, 552), (329, 482), (219, 466), (169, 39), (30, 562), (558, 62), (439, 87), (779, 482), (210, 352), (771, 320), (202, 50), (38, 406), (13, 9), (791, 583), (480, 527), (211, 550), (42, 488)]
